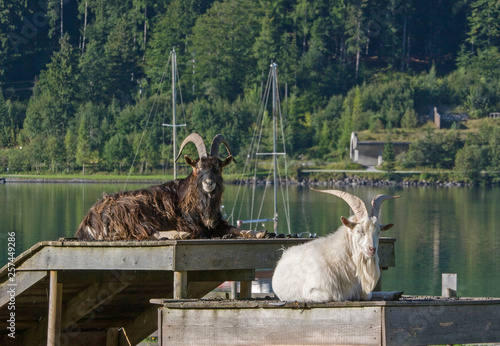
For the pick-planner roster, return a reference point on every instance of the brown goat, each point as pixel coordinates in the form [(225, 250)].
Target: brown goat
[(189, 205)]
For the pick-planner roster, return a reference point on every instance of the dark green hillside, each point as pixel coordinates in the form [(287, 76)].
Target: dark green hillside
[(80, 80)]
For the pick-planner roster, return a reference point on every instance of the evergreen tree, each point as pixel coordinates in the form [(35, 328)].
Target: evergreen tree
[(468, 162), (356, 34), (6, 128), (172, 31), (410, 119), (221, 44), (70, 146), (484, 23), (90, 134), (52, 105), (119, 151)]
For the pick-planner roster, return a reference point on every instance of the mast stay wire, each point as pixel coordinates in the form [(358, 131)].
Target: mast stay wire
[(255, 144), (251, 152), (286, 205), (155, 104)]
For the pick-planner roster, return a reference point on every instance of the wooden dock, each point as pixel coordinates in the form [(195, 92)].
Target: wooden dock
[(80, 293), (410, 321)]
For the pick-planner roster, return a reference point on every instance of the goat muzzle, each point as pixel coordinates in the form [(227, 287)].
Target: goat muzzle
[(209, 185)]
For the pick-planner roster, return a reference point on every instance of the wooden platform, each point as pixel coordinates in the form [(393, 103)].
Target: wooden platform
[(410, 321), (99, 292)]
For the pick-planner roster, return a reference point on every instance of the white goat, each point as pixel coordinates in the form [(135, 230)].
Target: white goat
[(338, 267)]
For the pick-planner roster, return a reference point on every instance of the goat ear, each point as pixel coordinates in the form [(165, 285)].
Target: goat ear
[(227, 161), (190, 161), (348, 223), (386, 227)]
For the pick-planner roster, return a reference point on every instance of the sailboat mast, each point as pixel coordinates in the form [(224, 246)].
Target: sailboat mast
[(174, 62), (174, 124), (275, 159)]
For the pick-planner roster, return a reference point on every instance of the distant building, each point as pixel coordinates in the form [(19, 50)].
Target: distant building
[(447, 119), (369, 153)]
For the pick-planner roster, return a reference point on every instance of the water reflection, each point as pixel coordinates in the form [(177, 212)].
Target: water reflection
[(438, 230)]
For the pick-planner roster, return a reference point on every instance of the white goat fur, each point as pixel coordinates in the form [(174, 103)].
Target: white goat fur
[(341, 266)]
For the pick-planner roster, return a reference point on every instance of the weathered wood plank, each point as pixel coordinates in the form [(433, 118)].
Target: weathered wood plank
[(159, 255), (252, 255), (99, 258), (442, 324), (23, 281), (271, 326)]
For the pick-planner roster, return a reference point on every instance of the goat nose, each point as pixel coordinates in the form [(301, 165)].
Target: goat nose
[(372, 249), (209, 185)]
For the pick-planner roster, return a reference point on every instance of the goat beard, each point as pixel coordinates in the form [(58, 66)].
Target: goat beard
[(209, 210), (210, 206), (367, 271)]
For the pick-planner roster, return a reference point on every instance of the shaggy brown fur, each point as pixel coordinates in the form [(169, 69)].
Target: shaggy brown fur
[(183, 205)]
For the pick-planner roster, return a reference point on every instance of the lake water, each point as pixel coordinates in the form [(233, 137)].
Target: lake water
[(438, 230)]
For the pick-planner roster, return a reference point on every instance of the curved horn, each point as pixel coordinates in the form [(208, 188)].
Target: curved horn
[(356, 204), (216, 142), (377, 202), (198, 141)]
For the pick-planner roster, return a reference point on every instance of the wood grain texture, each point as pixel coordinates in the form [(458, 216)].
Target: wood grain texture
[(271, 326)]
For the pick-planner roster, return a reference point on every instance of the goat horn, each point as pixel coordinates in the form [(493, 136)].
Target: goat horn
[(356, 204), (198, 141), (216, 142), (377, 202)]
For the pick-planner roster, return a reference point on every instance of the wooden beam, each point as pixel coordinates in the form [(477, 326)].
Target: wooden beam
[(271, 326), (23, 281), (180, 284), (221, 275), (181, 255), (112, 337), (139, 329), (250, 254), (101, 258), (245, 289), (200, 289), (79, 306), (91, 298), (55, 305)]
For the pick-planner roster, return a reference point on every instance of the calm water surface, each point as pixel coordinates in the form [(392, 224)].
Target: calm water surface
[(438, 230)]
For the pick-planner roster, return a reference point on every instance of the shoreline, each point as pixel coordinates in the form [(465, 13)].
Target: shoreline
[(350, 180)]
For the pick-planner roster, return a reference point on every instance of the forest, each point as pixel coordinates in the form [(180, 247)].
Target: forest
[(86, 83)]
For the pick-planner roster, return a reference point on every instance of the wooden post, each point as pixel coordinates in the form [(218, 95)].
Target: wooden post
[(112, 337), (180, 284), (54, 318), (245, 289), (234, 290), (449, 285)]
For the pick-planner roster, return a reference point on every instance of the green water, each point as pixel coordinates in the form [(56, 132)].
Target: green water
[(438, 230)]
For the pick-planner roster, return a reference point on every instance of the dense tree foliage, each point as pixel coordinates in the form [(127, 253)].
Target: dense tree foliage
[(87, 83)]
